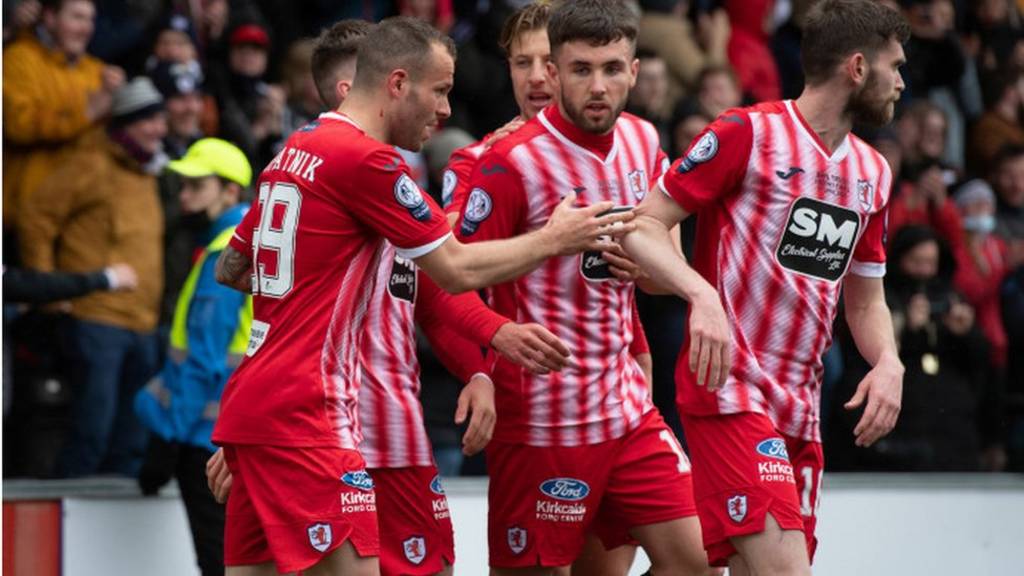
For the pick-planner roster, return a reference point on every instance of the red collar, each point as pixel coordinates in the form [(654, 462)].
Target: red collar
[(599, 144)]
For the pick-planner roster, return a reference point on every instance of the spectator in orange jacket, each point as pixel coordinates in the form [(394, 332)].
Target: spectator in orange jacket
[(98, 207), (53, 92)]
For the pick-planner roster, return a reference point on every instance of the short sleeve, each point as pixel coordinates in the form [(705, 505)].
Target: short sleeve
[(495, 206), (455, 181), (661, 164), (715, 164), (241, 239), (869, 255), (387, 200)]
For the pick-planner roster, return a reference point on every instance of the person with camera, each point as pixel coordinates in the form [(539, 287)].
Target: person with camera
[(924, 200), (947, 393)]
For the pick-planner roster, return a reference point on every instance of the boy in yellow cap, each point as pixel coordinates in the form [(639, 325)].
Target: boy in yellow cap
[(208, 337)]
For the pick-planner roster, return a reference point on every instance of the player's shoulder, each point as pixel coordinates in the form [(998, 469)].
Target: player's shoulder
[(873, 164), (347, 147), (529, 131), (771, 107), (740, 117), (470, 153), (868, 152)]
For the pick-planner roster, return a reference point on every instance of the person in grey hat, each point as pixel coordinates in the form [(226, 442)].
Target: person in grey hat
[(180, 84), (982, 262), (98, 207)]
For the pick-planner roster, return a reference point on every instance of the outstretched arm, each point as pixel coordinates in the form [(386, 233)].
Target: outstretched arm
[(871, 326), (652, 248), (459, 267)]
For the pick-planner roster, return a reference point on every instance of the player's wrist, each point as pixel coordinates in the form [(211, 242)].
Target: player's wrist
[(890, 361), (700, 293), (481, 376), (548, 243)]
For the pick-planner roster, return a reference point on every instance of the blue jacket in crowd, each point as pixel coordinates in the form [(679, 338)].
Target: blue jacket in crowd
[(209, 335)]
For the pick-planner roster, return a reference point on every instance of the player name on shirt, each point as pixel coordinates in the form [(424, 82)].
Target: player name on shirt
[(326, 202), (297, 162)]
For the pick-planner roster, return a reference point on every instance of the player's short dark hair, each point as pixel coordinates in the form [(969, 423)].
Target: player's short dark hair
[(398, 42), (835, 29), (533, 16), (334, 47), (597, 22)]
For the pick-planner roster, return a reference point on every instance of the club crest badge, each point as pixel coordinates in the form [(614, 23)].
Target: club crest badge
[(517, 539), (737, 507), (415, 549), (319, 536)]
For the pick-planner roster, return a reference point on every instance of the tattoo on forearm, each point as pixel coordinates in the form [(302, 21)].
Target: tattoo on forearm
[(233, 269)]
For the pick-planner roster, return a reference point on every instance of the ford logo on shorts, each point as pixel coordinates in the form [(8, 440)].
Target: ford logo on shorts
[(565, 488), (359, 479), (773, 448), (436, 487)]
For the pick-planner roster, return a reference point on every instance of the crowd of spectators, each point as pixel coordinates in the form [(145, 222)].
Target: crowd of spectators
[(99, 95)]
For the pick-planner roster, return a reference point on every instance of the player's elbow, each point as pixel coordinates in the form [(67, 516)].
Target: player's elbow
[(454, 282), (222, 276), (451, 267)]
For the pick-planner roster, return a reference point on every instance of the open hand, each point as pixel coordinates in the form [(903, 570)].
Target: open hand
[(882, 387), (574, 230), (621, 265), (477, 402), (710, 341)]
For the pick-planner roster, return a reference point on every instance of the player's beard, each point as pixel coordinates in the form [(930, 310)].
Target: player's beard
[(579, 117), (412, 123), (868, 106)]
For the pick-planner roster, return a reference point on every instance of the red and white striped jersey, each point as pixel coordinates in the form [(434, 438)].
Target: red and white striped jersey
[(514, 188), (326, 202), (390, 413), (781, 221)]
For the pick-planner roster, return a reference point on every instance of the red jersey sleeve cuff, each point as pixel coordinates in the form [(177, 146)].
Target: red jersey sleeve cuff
[(491, 326), (417, 251), (680, 199), (238, 243)]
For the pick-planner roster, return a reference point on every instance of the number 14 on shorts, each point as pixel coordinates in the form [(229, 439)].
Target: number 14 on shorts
[(669, 438)]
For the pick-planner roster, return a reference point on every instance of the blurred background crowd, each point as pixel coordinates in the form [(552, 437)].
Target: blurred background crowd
[(90, 211)]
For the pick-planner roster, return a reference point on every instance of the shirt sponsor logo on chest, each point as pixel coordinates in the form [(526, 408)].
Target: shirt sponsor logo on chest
[(593, 266), (818, 239)]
